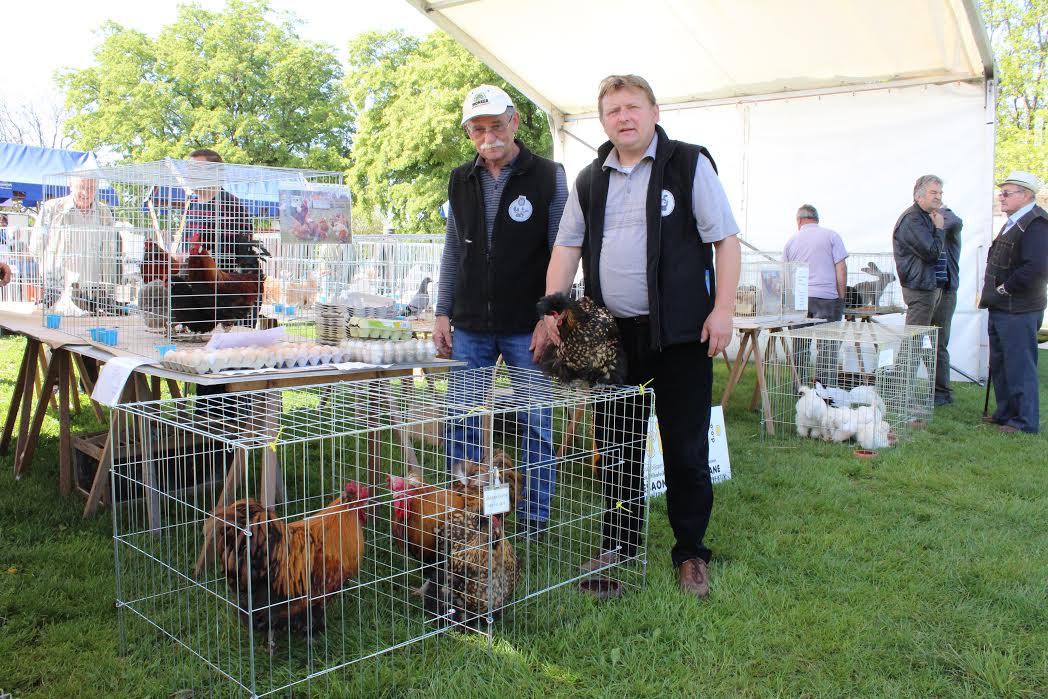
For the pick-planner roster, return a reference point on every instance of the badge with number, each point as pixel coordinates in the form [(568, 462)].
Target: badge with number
[(667, 203), (520, 209)]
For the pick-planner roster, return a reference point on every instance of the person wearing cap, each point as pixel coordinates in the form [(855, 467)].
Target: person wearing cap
[(926, 243), (644, 219), (504, 206), (1014, 293)]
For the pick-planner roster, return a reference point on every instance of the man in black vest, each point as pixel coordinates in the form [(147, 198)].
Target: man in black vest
[(502, 222), (1014, 292), (644, 218)]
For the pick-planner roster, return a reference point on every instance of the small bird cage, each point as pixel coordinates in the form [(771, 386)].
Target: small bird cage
[(164, 252), (873, 286), (771, 289), (851, 381), (265, 539)]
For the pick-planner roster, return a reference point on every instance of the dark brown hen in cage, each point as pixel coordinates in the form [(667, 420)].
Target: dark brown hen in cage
[(590, 350)]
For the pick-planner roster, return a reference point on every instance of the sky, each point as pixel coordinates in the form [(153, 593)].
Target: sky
[(66, 37)]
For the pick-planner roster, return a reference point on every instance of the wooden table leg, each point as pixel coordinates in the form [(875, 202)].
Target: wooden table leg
[(89, 385), (16, 400), (149, 475), (26, 413), (105, 467), (65, 460), (172, 388), (763, 387), (74, 385), (45, 362), (741, 357), (24, 460)]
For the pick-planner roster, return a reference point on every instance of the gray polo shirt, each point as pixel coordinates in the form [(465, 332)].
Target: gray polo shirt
[(624, 252)]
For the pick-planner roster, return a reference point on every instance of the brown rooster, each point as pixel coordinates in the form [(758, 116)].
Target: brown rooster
[(236, 289), (157, 265), (292, 568)]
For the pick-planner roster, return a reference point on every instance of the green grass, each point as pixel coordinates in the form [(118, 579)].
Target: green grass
[(917, 574)]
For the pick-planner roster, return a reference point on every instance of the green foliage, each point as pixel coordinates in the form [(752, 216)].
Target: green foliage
[(1019, 31), (234, 80), (408, 94)]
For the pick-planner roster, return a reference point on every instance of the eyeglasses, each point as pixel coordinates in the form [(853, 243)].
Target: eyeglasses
[(1003, 193), (481, 131)]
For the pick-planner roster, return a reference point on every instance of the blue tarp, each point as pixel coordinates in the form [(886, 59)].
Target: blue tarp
[(24, 168)]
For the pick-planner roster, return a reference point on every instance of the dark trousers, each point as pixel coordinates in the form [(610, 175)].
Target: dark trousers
[(943, 317), (827, 352), (681, 376), (1013, 364)]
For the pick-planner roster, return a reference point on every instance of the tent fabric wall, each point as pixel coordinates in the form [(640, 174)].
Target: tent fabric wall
[(840, 105), (24, 168)]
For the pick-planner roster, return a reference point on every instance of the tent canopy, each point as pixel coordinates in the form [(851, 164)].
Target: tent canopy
[(841, 105), (24, 168)]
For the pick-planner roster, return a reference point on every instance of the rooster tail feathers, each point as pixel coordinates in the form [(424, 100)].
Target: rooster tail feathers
[(553, 303)]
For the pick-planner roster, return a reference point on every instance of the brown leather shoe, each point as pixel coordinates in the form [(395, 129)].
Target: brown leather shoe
[(605, 559), (990, 420), (1008, 429), (695, 577)]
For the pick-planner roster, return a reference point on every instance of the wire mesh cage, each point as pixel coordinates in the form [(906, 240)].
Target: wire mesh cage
[(164, 252), (771, 290), (266, 539), (873, 287), (23, 287), (851, 381)]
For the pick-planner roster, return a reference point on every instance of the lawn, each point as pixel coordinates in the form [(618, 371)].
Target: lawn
[(920, 573)]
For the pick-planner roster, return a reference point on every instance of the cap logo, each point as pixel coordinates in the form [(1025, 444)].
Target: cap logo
[(480, 99)]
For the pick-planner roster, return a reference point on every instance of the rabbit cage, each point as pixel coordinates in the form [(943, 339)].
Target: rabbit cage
[(166, 251), (771, 290), (356, 518), (851, 380), (873, 286)]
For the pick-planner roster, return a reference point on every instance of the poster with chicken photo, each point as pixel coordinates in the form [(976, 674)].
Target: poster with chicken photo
[(316, 214)]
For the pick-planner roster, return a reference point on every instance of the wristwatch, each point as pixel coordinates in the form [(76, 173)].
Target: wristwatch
[(1001, 290)]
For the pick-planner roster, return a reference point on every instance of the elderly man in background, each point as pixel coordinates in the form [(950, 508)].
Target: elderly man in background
[(823, 251), (504, 208), (1014, 292), (645, 218), (79, 250)]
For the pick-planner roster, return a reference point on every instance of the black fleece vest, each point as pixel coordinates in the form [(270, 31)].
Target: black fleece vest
[(496, 290), (677, 259), (1004, 256)]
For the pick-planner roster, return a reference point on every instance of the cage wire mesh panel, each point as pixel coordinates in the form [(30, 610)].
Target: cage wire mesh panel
[(771, 290), (873, 286), (23, 289), (264, 540), (855, 381), (164, 252)]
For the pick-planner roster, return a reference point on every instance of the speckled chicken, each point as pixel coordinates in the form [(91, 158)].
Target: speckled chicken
[(590, 350)]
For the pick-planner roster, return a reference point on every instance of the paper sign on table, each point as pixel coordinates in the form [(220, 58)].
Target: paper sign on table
[(720, 464), (800, 288), (113, 377), (250, 338)]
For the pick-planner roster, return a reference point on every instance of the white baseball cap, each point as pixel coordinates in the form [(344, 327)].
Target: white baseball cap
[(1023, 179), (485, 100)]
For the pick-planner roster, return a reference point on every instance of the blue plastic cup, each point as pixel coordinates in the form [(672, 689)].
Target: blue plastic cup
[(278, 308), (110, 337), (52, 320), (164, 349), (94, 334), (290, 310)]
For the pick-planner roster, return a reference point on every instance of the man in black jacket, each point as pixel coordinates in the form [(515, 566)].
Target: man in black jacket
[(644, 218), (504, 207), (1014, 292)]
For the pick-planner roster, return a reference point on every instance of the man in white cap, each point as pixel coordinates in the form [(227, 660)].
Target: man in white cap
[(1014, 292), (504, 207)]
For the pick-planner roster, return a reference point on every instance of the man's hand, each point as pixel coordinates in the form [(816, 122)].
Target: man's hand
[(938, 220), (442, 336), (5, 274), (718, 329), (545, 333)]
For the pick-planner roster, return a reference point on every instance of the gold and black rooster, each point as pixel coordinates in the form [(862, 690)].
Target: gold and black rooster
[(590, 350)]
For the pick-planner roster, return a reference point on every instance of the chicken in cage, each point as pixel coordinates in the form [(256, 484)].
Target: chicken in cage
[(873, 287), (858, 382), (165, 252), (266, 539), (771, 290)]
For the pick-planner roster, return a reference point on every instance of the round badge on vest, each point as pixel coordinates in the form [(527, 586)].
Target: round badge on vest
[(520, 209), (667, 203)]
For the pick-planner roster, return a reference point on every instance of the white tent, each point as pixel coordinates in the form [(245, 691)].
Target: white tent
[(838, 104)]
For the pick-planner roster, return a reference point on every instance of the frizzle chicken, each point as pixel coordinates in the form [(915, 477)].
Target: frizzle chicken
[(590, 350)]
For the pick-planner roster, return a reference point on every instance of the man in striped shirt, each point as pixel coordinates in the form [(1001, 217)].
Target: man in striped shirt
[(504, 207)]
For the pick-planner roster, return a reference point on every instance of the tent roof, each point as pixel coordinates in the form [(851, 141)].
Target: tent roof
[(694, 51), (24, 168)]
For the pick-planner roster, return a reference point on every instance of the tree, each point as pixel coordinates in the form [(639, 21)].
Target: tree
[(233, 80), (1019, 32), (407, 95), (33, 124)]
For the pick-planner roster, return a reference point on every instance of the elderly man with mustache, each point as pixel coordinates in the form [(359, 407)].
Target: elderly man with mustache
[(504, 208)]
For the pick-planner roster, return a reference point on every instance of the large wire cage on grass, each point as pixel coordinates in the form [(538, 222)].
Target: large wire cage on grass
[(873, 285), (266, 539), (771, 289), (163, 252), (860, 382)]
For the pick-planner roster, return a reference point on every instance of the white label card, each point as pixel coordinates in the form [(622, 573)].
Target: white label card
[(720, 464), (496, 500), (886, 358), (927, 342), (800, 288), (112, 378)]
